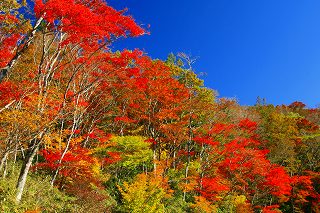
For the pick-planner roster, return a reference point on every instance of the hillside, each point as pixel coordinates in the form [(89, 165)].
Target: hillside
[(86, 128)]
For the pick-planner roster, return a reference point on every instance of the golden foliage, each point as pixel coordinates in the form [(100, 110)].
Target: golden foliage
[(145, 194), (202, 205)]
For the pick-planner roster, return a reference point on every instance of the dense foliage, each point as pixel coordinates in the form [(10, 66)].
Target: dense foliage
[(84, 128)]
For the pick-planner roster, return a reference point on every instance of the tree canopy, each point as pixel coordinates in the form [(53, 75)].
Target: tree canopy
[(86, 128)]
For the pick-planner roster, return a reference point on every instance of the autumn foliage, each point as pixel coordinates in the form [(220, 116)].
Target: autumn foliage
[(109, 130)]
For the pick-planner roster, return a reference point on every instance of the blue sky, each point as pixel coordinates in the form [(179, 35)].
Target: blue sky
[(247, 48)]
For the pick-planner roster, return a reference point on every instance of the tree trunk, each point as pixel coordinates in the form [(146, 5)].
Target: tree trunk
[(25, 44), (186, 174), (25, 170), (5, 170), (3, 160), (188, 150), (154, 162)]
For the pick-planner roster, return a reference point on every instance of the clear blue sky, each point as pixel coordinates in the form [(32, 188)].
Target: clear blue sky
[(248, 48)]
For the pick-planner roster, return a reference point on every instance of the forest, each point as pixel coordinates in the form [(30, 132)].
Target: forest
[(86, 128)]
